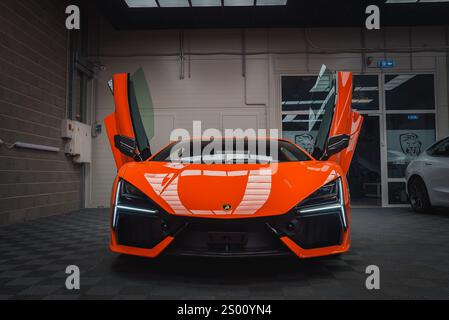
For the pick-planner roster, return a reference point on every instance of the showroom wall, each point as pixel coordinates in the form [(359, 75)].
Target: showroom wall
[(33, 66), (216, 86)]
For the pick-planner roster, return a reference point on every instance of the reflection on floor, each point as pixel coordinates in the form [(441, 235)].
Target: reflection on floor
[(366, 203), (411, 250)]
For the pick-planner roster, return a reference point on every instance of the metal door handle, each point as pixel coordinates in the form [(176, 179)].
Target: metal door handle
[(429, 164)]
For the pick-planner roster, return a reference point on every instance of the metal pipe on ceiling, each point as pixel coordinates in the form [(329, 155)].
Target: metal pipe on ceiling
[(287, 52), (372, 50)]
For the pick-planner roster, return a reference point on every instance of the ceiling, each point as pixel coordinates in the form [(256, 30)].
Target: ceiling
[(297, 13)]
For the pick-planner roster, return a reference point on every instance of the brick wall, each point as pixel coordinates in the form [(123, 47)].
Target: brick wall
[(32, 103)]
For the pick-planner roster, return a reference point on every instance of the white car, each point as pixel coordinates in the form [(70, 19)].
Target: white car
[(428, 178)]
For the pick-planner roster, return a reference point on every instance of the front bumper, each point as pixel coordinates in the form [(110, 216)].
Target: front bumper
[(152, 235)]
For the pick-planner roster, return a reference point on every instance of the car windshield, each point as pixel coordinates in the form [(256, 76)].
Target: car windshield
[(231, 151)]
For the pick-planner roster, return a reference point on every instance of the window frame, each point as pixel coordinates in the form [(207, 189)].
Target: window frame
[(382, 112), (386, 112)]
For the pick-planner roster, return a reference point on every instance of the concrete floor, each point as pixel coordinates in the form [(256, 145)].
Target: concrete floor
[(411, 250)]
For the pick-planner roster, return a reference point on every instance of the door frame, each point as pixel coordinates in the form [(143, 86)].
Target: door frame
[(385, 112), (382, 149)]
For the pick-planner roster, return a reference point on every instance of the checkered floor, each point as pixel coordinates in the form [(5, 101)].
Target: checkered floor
[(411, 250)]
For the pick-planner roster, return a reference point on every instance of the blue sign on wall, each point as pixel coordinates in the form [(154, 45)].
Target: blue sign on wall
[(386, 64)]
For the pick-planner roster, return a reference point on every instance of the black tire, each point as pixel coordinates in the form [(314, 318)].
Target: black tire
[(418, 196)]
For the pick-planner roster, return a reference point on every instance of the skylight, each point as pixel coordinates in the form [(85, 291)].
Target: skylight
[(415, 1), (202, 3)]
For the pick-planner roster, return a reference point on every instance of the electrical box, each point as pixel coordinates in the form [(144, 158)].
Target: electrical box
[(79, 140)]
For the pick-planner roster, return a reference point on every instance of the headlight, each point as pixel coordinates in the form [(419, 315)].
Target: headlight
[(129, 198), (131, 192), (327, 194), (328, 198)]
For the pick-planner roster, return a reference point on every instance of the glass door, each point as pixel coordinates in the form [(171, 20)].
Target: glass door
[(410, 116), (364, 176)]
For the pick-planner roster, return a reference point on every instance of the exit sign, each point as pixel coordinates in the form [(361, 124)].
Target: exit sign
[(384, 64)]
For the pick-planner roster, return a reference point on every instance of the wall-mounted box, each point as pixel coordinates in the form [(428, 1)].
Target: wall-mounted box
[(79, 140)]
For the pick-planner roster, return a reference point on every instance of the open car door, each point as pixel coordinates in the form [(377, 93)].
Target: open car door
[(339, 125), (131, 125)]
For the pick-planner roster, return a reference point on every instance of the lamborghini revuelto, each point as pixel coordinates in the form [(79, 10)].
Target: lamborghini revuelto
[(248, 197)]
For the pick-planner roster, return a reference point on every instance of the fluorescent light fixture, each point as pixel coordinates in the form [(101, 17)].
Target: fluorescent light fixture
[(362, 101), (271, 2), (141, 3), (401, 1), (415, 1), (303, 102), (239, 3), (398, 81), (202, 3), (292, 118), (174, 3), (206, 3), (366, 89)]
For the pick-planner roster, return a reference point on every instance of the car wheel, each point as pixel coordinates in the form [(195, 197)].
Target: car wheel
[(418, 196)]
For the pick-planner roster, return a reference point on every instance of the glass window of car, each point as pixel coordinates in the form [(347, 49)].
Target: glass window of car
[(440, 149), (230, 151), (300, 96)]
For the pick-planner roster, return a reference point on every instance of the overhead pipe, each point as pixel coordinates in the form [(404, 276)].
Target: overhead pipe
[(181, 54), (260, 53), (366, 49), (309, 44)]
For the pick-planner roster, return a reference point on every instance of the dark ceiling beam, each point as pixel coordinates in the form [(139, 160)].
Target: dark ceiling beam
[(296, 14)]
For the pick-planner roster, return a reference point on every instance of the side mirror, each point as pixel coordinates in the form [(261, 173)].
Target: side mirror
[(337, 144), (126, 145)]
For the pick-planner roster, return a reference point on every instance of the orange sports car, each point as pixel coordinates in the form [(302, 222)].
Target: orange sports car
[(244, 196)]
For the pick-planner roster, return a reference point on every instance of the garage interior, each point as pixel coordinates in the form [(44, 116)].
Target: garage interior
[(229, 64)]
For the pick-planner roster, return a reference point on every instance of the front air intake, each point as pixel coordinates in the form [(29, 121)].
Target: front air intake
[(141, 231), (319, 231)]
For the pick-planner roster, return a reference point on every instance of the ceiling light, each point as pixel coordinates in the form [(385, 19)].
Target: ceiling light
[(203, 3), (174, 3), (401, 1), (398, 81), (271, 2), (141, 3), (242, 3), (206, 3), (366, 89), (415, 1)]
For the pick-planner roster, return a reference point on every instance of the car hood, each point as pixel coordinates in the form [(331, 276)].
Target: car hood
[(229, 190)]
